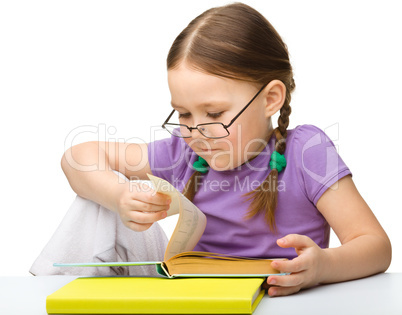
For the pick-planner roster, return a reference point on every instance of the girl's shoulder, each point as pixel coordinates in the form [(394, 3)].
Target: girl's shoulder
[(305, 132), (307, 136), (314, 159)]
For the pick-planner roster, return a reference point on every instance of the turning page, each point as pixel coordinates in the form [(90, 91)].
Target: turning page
[(191, 223)]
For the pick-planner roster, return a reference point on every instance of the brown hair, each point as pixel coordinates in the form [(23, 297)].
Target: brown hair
[(237, 42)]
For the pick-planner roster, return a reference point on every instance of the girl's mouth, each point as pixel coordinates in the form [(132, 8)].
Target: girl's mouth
[(208, 150)]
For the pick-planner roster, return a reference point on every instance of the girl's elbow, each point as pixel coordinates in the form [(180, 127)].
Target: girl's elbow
[(64, 162), (386, 253)]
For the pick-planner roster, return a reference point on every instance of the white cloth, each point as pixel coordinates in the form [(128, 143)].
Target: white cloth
[(92, 233)]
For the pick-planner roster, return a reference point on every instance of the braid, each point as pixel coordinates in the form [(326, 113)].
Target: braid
[(281, 132), (189, 190), (265, 197)]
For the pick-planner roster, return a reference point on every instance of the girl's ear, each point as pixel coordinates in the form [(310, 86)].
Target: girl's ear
[(275, 94)]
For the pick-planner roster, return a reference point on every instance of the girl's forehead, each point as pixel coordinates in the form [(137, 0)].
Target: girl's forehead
[(183, 76), (193, 86)]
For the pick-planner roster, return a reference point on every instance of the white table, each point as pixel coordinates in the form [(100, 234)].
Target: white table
[(379, 294)]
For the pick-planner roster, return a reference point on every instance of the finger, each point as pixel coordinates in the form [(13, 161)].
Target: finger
[(295, 240), (154, 198), (137, 205), (145, 217), (292, 280), (161, 199), (281, 291), (295, 265), (151, 196)]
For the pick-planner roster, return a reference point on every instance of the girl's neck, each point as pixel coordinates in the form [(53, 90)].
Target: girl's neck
[(263, 145)]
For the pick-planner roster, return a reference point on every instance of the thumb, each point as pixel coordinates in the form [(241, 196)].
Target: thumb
[(295, 240)]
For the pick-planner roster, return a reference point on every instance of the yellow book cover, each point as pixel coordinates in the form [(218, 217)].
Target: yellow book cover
[(142, 295)]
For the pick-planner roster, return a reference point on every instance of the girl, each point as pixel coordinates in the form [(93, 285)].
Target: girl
[(266, 192)]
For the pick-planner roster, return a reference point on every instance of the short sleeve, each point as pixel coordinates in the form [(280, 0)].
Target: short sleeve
[(319, 165), (169, 158)]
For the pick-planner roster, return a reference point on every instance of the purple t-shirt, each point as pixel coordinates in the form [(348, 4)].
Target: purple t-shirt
[(313, 165)]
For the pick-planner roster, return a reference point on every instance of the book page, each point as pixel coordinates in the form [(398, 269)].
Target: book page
[(191, 223), (199, 264)]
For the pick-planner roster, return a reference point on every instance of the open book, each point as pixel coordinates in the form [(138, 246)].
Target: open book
[(179, 259)]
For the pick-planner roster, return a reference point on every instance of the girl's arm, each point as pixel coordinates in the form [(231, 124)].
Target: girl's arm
[(89, 169), (365, 249)]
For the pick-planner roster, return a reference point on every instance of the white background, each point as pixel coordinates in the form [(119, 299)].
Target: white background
[(71, 68)]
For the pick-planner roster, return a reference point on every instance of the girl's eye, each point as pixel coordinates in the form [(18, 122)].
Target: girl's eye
[(211, 115), (215, 115), (185, 115)]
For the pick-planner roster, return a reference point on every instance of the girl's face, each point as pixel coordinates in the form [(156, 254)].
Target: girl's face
[(203, 98)]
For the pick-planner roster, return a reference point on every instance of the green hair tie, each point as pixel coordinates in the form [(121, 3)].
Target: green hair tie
[(201, 165), (277, 161)]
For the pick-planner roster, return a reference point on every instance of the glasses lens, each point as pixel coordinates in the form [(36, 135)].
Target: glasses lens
[(213, 130), (178, 130)]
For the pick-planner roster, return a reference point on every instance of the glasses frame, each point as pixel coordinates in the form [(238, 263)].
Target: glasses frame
[(205, 124)]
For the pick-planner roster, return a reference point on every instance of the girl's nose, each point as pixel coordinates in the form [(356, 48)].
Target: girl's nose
[(196, 134)]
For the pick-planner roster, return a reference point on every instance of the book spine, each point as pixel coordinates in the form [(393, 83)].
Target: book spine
[(149, 306)]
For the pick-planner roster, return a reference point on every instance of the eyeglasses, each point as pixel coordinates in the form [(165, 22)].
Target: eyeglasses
[(214, 130)]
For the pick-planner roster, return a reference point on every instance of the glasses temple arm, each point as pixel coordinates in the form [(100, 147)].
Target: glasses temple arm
[(167, 119), (245, 107)]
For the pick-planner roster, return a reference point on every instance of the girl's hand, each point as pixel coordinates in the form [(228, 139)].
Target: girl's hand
[(305, 269), (138, 207)]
